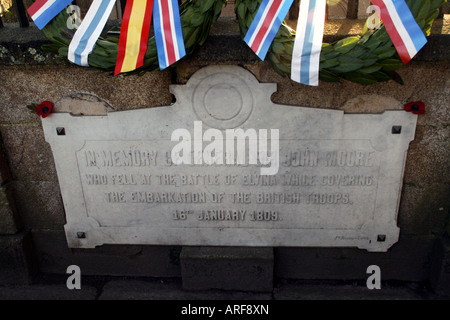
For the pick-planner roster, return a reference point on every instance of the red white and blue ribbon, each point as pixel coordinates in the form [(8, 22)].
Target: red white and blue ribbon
[(265, 25), (405, 33), (88, 32), (308, 42), (168, 33), (43, 11)]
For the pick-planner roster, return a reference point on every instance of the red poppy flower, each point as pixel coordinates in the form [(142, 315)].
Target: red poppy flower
[(44, 109), (417, 107)]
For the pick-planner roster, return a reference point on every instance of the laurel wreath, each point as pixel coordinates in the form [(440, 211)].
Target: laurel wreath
[(365, 59)]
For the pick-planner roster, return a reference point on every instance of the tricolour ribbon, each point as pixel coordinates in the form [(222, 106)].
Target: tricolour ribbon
[(86, 36), (134, 35), (402, 28), (308, 42), (265, 25), (43, 11), (168, 33)]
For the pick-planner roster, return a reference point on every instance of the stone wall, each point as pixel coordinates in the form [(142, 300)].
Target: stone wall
[(32, 215)]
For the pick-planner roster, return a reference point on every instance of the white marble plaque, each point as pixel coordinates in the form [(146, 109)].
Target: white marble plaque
[(176, 175)]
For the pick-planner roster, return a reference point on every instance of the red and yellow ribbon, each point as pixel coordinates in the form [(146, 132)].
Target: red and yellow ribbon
[(134, 35)]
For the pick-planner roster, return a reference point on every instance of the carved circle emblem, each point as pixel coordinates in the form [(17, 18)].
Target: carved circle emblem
[(222, 102)]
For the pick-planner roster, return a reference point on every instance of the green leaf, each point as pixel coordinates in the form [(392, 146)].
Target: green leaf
[(186, 17), (107, 45), (391, 64), (347, 64), (274, 58), (288, 48), (423, 11), (347, 67), (112, 39), (328, 76), (329, 55), (435, 4), (252, 5), (381, 76), (276, 62), (345, 45), (207, 4), (385, 52), (357, 52), (100, 52), (432, 16), (218, 8), (371, 69), (381, 35), (277, 47), (421, 23), (326, 46), (415, 7), (366, 36), (369, 55), (369, 61), (99, 62), (284, 68), (197, 20), (193, 39), (241, 10), (372, 45), (427, 29), (327, 64), (63, 51)]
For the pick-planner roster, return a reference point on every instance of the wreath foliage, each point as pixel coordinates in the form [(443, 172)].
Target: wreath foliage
[(365, 59)]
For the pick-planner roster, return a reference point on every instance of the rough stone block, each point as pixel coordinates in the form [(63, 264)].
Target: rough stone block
[(363, 8), (30, 157), (39, 204), (5, 175), (169, 289), (337, 10), (440, 267), (326, 291), (371, 103), (427, 160), (17, 264), (48, 292), (27, 85), (424, 210), (227, 268), (54, 256), (9, 223), (407, 260), (448, 228)]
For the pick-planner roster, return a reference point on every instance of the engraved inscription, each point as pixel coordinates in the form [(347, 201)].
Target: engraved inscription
[(138, 178), (120, 158)]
